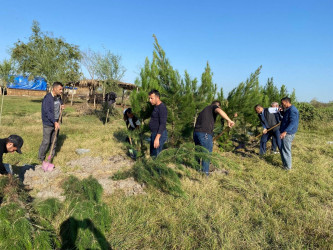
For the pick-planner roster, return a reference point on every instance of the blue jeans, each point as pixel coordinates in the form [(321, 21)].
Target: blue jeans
[(155, 151), (205, 140), (286, 150), (265, 138)]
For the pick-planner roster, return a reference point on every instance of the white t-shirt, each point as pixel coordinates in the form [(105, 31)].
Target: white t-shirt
[(130, 120)]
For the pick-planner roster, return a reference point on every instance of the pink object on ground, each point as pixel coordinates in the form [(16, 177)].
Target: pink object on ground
[(46, 165)]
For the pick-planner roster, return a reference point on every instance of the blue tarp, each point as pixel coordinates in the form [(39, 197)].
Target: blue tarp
[(22, 82)]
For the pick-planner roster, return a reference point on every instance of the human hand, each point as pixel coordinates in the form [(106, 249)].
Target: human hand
[(56, 125), (156, 142), (283, 135), (264, 131), (231, 123)]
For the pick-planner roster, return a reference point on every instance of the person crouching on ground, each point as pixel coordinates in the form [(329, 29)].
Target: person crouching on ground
[(9, 145), (204, 126), (51, 106), (132, 122), (157, 123)]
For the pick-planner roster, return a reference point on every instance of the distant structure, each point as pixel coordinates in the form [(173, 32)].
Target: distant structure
[(22, 86)]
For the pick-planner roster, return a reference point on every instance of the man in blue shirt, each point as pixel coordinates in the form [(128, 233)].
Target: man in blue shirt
[(288, 128), (51, 106)]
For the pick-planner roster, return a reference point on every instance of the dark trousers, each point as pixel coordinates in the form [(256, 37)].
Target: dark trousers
[(155, 151), (205, 140), (48, 136), (266, 137)]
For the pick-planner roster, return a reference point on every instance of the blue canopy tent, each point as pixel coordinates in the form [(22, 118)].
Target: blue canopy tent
[(22, 82)]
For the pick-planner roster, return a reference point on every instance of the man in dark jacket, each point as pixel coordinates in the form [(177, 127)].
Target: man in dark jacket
[(204, 126), (9, 145), (157, 123), (288, 128), (51, 106), (268, 120)]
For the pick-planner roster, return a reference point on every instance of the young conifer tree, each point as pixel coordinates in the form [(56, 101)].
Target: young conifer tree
[(243, 98)]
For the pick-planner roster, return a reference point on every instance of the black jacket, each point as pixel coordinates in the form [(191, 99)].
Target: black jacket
[(3, 149)]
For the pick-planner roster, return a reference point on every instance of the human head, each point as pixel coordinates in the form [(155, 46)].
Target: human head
[(258, 108), (154, 97), (14, 143), (285, 102), (274, 104), (128, 113), (57, 88), (217, 103)]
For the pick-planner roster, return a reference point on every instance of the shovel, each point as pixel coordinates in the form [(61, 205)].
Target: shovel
[(47, 165)]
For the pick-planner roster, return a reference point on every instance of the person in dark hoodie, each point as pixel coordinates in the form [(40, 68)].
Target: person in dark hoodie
[(51, 106), (9, 145), (268, 119)]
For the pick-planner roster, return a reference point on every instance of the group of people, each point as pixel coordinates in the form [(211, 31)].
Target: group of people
[(281, 123)]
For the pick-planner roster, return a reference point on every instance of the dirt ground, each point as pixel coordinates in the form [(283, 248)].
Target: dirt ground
[(48, 184)]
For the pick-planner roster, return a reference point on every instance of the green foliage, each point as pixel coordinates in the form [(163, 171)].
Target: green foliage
[(184, 100), (15, 228), (108, 70), (121, 175), (86, 189), (46, 56), (307, 112), (49, 208), (158, 175), (165, 170), (6, 69), (88, 218), (242, 99)]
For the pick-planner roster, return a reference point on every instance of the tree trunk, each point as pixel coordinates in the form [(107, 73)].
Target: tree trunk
[(3, 94)]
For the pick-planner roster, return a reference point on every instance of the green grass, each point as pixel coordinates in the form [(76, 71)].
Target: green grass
[(258, 205)]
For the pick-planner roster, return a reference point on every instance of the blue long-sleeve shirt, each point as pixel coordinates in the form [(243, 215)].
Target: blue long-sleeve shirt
[(48, 116), (158, 119), (290, 120)]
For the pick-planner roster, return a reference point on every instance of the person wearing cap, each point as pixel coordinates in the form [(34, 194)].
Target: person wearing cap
[(9, 145), (51, 106)]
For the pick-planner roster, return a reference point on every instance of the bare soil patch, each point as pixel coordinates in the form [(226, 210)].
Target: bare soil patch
[(48, 184)]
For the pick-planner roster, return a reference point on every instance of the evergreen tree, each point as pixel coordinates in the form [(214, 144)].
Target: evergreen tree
[(243, 98), (271, 93)]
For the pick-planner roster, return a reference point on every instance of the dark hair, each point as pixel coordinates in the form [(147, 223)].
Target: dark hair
[(154, 91), (56, 84), (258, 105), (216, 102), (286, 99), (127, 111)]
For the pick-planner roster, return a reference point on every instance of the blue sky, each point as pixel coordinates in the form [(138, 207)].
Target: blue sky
[(292, 40)]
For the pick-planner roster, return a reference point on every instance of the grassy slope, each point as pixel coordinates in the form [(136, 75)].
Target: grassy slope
[(258, 205)]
